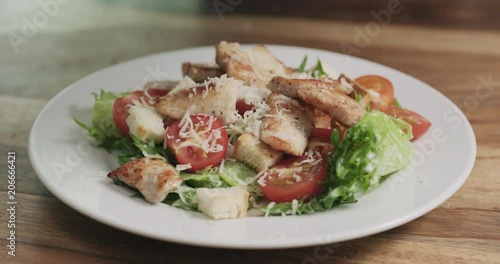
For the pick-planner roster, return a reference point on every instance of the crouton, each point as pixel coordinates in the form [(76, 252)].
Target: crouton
[(251, 151), (145, 123), (222, 203)]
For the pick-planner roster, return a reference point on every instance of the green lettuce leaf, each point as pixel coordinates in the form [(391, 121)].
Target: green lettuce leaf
[(183, 197), (234, 173), (239, 174), (376, 146), (102, 114), (206, 178), (103, 128)]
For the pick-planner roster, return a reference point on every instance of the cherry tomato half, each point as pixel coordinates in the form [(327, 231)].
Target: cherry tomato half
[(380, 85), (200, 143), (242, 107), (294, 178)]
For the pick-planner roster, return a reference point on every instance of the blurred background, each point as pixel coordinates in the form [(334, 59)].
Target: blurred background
[(68, 39), (439, 13)]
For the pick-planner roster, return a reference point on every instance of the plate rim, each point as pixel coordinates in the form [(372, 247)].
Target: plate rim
[(311, 241)]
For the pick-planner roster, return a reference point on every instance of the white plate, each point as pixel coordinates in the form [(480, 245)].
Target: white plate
[(75, 172)]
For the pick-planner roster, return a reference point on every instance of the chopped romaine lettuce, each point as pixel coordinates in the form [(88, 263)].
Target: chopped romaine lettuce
[(139, 149), (149, 149), (102, 113), (183, 197), (236, 173), (376, 146), (233, 173), (206, 178)]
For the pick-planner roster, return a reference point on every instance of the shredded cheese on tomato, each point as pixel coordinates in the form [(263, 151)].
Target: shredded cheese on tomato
[(205, 139), (262, 178)]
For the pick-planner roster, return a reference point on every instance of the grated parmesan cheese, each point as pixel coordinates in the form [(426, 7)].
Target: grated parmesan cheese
[(262, 178), (182, 167), (295, 206), (269, 207), (221, 166)]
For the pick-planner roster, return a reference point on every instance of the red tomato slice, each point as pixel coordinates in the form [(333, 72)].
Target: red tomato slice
[(186, 141), (419, 124), (294, 178), (120, 110), (322, 133), (242, 107), (380, 85)]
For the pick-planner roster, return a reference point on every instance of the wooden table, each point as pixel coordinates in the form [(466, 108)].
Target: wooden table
[(85, 36)]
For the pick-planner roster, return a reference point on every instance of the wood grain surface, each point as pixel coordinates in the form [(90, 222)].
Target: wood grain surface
[(86, 36)]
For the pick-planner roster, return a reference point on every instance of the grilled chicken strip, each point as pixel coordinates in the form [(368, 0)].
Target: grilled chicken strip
[(367, 96), (320, 119), (255, 67), (217, 98), (153, 177), (287, 125), (201, 72), (290, 86), (339, 106)]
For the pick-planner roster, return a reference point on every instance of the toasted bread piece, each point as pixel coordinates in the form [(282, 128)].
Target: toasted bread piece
[(153, 177), (287, 126), (255, 67), (251, 151), (338, 105), (201, 72), (217, 98), (223, 203), (290, 86), (145, 123)]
